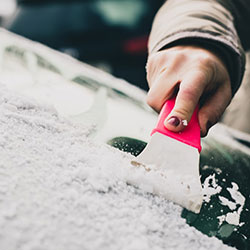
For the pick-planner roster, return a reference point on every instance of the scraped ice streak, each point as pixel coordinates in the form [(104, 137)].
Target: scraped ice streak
[(210, 188), (236, 204), (59, 190)]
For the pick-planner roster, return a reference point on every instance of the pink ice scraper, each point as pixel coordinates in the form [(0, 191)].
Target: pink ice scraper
[(176, 157)]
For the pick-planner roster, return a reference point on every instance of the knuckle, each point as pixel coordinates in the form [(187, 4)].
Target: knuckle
[(180, 57), (177, 61), (207, 67), (204, 59)]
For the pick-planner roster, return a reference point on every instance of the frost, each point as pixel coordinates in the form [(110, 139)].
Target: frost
[(226, 202), (60, 190), (236, 206), (210, 188)]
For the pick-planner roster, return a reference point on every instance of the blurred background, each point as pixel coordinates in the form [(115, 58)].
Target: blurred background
[(7, 8), (109, 34)]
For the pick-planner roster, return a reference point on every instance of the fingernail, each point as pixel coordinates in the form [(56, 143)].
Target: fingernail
[(174, 121)]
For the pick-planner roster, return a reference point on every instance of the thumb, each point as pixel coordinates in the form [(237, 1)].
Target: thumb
[(190, 91)]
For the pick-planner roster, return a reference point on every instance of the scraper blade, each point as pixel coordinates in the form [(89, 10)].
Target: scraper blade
[(176, 157)]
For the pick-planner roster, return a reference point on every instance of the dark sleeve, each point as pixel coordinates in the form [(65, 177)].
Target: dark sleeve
[(219, 25), (240, 10)]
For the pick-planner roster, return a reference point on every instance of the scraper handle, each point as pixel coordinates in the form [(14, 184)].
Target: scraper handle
[(190, 135)]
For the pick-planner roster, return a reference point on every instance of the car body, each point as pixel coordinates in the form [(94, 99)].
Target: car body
[(116, 113)]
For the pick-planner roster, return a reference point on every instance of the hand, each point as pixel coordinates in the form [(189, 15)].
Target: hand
[(199, 76)]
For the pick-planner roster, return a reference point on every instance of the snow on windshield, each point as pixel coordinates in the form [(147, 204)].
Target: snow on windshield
[(59, 190)]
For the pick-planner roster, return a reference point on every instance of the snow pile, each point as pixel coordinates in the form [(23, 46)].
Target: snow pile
[(58, 190)]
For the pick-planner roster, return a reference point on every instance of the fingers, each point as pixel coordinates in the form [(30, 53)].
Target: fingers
[(190, 91), (214, 107)]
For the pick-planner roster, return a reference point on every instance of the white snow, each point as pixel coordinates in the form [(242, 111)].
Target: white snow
[(210, 188), (60, 190), (236, 206), (225, 202)]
